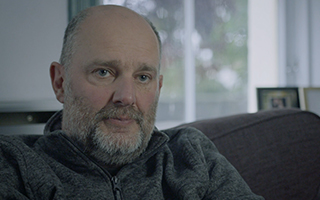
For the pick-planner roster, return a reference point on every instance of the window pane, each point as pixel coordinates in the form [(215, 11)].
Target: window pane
[(220, 45)]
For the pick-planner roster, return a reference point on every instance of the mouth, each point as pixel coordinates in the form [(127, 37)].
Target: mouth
[(120, 121)]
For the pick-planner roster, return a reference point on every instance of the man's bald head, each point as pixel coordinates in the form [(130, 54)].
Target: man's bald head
[(74, 27)]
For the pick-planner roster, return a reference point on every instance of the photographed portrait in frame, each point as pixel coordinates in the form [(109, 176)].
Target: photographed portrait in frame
[(278, 97)]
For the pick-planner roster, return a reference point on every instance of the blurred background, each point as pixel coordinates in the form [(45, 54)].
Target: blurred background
[(215, 52)]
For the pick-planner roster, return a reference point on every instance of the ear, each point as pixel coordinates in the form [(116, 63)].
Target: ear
[(57, 74), (160, 82)]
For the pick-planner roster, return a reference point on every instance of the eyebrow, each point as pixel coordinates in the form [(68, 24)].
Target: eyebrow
[(117, 63), (145, 67)]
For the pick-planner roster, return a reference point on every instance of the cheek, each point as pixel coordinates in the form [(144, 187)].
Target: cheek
[(146, 100), (96, 97)]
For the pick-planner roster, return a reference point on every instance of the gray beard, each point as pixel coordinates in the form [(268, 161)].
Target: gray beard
[(84, 127)]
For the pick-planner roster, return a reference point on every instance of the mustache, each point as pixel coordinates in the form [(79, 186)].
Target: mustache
[(117, 112)]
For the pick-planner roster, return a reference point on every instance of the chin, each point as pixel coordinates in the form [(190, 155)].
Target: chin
[(114, 148)]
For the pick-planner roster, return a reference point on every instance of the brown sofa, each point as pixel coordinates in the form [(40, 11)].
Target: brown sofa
[(277, 152)]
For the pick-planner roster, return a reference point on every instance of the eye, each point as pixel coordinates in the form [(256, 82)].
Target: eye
[(103, 72), (144, 78)]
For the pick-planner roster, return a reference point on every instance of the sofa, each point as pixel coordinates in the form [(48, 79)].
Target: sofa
[(277, 152)]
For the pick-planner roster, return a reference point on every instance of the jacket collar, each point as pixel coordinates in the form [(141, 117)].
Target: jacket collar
[(54, 123)]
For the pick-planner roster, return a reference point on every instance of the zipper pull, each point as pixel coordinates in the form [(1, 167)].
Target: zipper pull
[(116, 188)]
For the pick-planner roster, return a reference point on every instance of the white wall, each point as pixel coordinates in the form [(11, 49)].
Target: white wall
[(30, 39), (262, 47)]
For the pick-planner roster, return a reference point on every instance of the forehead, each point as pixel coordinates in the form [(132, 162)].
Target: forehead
[(118, 34)]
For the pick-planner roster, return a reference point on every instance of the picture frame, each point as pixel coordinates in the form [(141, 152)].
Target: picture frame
[(278, 97), (310, 97)]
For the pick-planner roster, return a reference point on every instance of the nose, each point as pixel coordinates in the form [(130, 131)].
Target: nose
[(124, 94)]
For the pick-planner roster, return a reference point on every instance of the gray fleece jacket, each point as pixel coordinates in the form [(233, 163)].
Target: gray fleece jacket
[(178, 164)]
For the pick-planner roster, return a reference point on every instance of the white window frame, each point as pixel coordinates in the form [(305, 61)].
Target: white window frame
[(189, 63)]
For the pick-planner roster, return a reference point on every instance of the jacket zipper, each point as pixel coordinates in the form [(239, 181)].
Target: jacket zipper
[(116, 188)]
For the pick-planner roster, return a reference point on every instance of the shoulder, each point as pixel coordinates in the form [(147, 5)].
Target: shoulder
[(17, 144), (183, 132), (28, 140), (16, 153), (187, 134), (190, 141)]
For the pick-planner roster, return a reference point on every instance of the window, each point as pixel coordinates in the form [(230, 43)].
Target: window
[(219, 51)]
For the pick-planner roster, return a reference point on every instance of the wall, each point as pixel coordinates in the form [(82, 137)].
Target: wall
[(30, 39), (262, 47)]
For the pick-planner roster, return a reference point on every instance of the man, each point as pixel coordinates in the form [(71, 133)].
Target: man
[(104, 144)]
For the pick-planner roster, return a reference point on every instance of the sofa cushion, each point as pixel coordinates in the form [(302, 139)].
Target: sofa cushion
[(277, 152)]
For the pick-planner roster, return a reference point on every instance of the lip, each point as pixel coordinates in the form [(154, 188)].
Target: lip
[(120, 121)]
